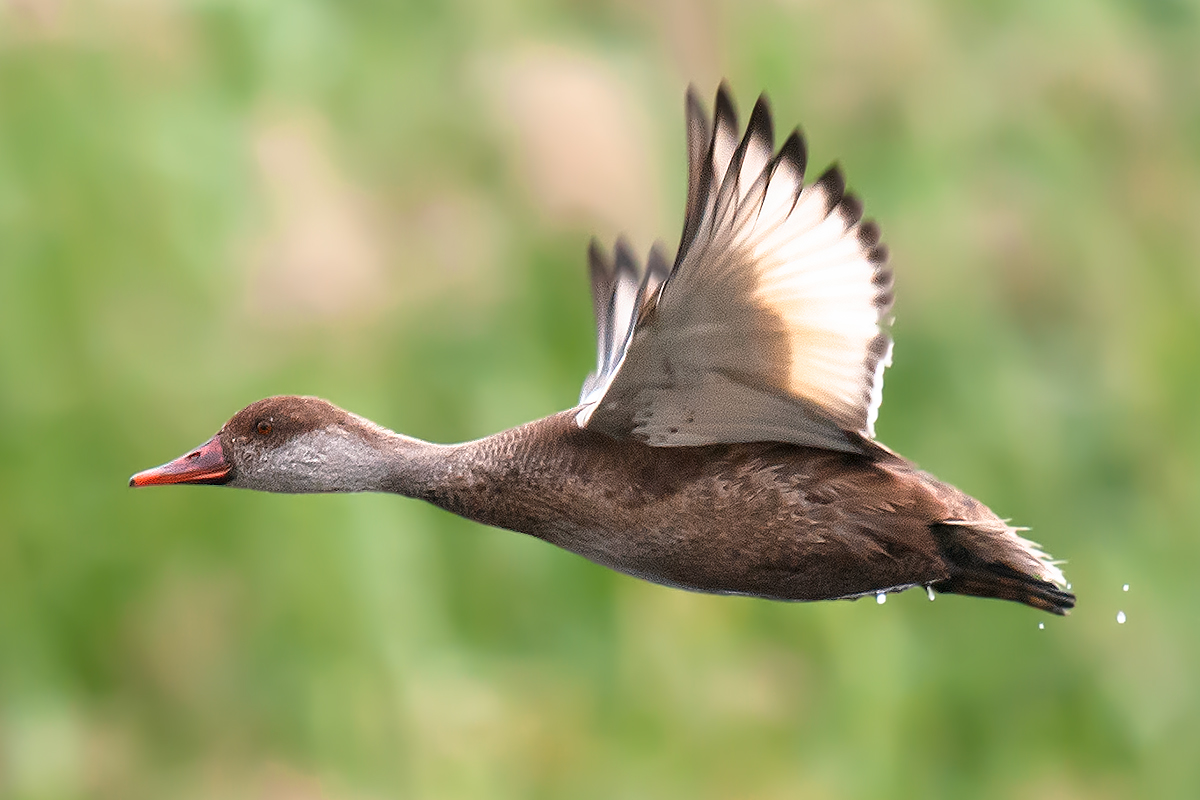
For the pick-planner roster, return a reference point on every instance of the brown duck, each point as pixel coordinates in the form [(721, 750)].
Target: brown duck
[(724, 443)]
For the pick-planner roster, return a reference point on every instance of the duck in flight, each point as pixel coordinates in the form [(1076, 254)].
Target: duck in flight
[(725, 442)]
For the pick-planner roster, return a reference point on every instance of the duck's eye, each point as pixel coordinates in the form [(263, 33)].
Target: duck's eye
[(263, 427)]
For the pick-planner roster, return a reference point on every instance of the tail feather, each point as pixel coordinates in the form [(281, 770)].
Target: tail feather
[(1005, 583), (985, 563)]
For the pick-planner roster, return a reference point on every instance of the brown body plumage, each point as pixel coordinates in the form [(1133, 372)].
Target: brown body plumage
[(764, 519), (724, 443)]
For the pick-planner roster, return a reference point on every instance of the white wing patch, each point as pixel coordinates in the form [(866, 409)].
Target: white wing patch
[(769, 327)]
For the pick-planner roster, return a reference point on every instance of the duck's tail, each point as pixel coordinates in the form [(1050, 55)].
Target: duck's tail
[(988, 559)]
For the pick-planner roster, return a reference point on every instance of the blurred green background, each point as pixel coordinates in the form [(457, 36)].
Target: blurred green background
[(388, 204)]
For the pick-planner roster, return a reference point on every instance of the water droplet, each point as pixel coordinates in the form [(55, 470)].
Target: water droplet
[(1120, 617), (929, 591), (1041, 626), (1125, 588), (881, 598)]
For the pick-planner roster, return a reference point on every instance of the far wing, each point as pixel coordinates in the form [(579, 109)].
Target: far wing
[(620, 287), (769, 327)]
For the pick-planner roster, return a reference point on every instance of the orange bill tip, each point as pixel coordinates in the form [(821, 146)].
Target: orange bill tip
[(205, 464)]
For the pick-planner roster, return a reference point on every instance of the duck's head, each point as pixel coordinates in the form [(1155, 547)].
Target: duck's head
[(281, 444)]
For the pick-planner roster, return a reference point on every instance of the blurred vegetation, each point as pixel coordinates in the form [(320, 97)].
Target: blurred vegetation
[(388, 204)]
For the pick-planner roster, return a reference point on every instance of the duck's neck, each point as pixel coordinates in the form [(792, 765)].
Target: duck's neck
[(395, 463), (414, 468), (503, 480)]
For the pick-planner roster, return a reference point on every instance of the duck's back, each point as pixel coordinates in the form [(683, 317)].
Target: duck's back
[(771, 520)]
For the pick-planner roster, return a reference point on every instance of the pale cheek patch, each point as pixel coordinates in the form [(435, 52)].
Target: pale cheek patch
[(331, 459)]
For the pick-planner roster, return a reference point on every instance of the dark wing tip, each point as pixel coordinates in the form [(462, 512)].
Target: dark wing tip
[(697, 115), (625, 260), (603, 279), (699, 154), (657, 271), (833, 182), (597, 256), (877, 255), (879, 346), (883, 279), (657, 264), (868, 234), (761, 125), (726, 111), (795, 152), (600, 269), (850, 208)]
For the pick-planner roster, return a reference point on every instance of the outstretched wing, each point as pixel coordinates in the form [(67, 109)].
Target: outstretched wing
[(770, 324)]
